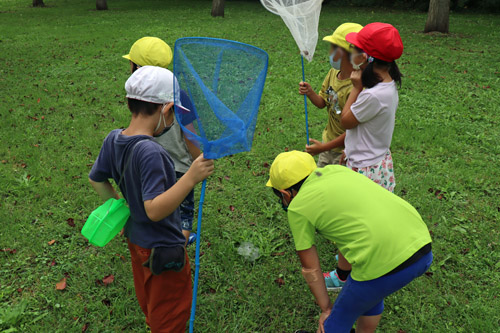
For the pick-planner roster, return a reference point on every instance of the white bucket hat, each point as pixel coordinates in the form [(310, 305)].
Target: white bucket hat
[(155, 85)]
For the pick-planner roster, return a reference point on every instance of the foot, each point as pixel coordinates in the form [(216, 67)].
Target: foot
[(332, 281), (191, 238)]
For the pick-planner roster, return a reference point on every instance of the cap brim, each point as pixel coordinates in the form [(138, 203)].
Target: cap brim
[(127, 56), (269, 184), (353, 39), (329, 39), (182, 107)]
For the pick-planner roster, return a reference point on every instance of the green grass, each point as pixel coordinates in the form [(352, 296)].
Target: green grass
[(61, 88)]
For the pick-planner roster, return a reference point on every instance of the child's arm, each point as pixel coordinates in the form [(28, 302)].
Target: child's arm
[(311, 270), (193, 149), (166, 203), (104, 189), (319, 147), (306, 89), (347, 119)]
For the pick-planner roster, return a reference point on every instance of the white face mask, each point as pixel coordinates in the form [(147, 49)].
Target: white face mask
[(354, 65)]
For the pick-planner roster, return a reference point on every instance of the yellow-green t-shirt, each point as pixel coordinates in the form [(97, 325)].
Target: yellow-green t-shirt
[(335, 93), (374, 229)]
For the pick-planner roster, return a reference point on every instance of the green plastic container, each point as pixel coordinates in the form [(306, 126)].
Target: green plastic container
[(106, 221)]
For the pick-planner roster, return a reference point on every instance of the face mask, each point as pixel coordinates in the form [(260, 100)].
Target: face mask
[(335, 64), (354, 65)]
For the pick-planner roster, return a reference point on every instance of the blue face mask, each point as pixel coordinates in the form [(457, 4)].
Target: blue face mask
[(335, 64)]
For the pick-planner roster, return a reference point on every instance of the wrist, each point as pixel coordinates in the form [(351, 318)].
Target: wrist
[(328, 306)]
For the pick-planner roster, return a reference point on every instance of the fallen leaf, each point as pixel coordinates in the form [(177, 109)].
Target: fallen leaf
[(280, 281), (53, 263), (212, 290), (11, 251), (275, 254), (38, 100), (231, 208), (108, 279), (227, 177), (61, 285), (266, 165), (106, 302), (51, 242), (85, 327), (429, 274), (71, 222)]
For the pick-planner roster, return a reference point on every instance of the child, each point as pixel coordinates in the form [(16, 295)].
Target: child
[(155, 239), (333, 94), (370, 110), (387, 251), (153, 51), (369, 114)]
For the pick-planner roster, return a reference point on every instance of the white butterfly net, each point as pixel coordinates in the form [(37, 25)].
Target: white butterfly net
[(302, 18)]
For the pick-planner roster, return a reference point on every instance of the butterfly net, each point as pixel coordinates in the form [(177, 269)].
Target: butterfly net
[(221, 83), (302, 18)]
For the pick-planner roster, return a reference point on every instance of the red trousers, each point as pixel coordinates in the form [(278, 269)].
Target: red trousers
[(165, 299)]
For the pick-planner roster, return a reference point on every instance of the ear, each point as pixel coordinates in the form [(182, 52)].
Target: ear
[(286, 195), (168, 113)]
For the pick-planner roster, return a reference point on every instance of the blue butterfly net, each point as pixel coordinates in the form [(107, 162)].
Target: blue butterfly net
[(221, 83)]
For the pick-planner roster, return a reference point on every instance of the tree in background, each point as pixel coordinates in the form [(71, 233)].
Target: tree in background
[(100, 5), (438, 16), (38, 3), (217, 8)]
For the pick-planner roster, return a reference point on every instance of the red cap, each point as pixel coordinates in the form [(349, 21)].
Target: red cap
[(379, 40)]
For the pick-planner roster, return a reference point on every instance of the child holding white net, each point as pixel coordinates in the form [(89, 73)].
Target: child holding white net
[(333, 95)]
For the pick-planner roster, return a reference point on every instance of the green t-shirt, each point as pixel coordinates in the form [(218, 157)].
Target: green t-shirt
[(374, 229), (335, 93)]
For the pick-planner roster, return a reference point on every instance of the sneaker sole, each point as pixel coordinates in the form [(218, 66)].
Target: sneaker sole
[(333, 288)]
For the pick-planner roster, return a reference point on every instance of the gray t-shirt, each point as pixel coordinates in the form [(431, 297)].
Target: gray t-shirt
[(174, 143), (375, 109)]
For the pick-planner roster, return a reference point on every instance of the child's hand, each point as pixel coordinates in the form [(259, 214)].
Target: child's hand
[(356, 79), (201, 169), (305, 88), (316, 148)]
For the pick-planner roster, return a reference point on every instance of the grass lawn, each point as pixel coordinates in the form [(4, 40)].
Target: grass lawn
[(62, 90)]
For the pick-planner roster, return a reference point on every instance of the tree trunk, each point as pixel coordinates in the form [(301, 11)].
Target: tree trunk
[(438, 16), (101, 5), (38, 3), (217, 8)]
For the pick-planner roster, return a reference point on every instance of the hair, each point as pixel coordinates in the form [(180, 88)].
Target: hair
[(141, 107), (134, 67), (370, 78)]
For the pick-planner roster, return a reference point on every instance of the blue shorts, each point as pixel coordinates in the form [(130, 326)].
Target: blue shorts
[(187, 208), (366, 298)]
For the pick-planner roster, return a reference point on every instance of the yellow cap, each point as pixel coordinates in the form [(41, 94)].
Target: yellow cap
[(150, 51), (290, 168), (338, 36)]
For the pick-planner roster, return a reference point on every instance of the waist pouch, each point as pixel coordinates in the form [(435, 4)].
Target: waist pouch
[(164, 259)]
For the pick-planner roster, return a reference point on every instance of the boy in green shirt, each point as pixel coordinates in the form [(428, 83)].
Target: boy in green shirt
[(380, 234), (333, 94)]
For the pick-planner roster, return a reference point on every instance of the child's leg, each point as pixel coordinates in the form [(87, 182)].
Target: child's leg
[(364, 299), (343, 264), (138, 257), (328, 157), (165, 299), (367, 324), (169, 303), (187, 212)]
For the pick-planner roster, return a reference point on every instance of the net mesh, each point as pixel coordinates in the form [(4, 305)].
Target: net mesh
[(223, 81), (302, 18)]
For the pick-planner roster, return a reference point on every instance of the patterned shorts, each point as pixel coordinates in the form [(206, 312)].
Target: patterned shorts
[(381, 173)]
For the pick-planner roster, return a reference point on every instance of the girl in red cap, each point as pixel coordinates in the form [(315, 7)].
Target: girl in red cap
[(370, 110)]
